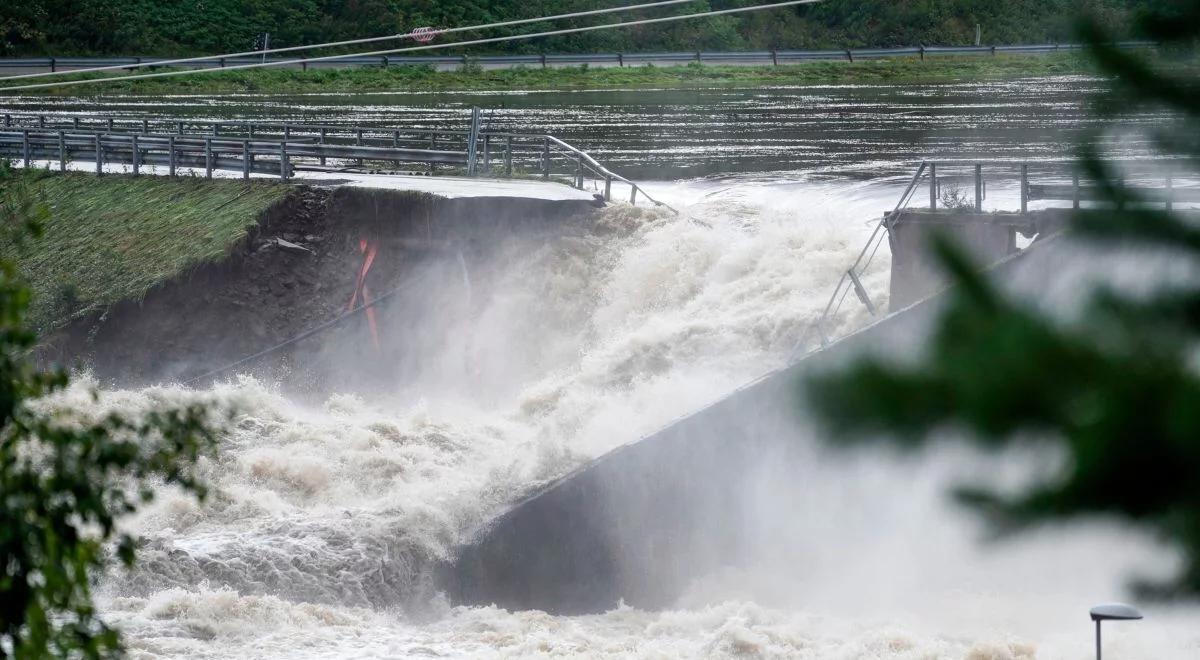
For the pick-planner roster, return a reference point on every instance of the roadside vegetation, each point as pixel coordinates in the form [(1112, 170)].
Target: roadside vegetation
[(112, 238), (69, 475), (191, 27), (425, 78)]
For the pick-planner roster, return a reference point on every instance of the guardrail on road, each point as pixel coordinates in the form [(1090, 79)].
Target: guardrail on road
[(746, 58), (278, 149)]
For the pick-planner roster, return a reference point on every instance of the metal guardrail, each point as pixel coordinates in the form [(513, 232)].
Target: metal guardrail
[(1062, 183), (851, 279), (761, 57), (281, 148)]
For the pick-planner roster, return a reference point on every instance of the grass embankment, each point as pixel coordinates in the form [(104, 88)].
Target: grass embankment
[(113, 238), (424, 78)]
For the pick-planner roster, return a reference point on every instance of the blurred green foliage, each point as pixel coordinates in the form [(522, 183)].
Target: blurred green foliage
[(1118, 391), (67, 479), (186, 27)]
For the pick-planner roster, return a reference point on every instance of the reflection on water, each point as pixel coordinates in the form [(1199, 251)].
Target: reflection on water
[(860, 130)]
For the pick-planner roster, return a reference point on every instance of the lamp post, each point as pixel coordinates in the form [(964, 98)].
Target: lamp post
[(1112, 612)]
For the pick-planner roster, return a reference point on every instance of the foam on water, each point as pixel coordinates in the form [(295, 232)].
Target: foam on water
[(324, 521), (205, 623)]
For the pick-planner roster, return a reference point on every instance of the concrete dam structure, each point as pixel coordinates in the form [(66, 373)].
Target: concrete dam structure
[(740, 484), (730, 486), (722, 489), (640, 524)]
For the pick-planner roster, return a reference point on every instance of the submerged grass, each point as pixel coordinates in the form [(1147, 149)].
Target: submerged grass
[(113, 238), (425, 78)]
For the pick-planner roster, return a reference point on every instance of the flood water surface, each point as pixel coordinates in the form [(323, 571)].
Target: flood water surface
[(778, 133)]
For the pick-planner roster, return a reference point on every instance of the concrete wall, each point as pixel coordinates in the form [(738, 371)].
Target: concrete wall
[(985, 237), (915, 271)]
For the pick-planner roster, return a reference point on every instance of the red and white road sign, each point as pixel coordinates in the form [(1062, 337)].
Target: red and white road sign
[(424, 34)]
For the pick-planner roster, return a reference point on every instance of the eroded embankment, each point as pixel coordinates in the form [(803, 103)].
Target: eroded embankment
[(304, 260)]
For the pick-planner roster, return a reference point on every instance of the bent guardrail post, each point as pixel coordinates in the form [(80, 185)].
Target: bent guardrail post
[(933, 188), (1025, 188), (472, 141), (978, 187), (508, 156), (856, 283), (861, 292), (604, 171), (1170, 187), (208, 158), (432, 147)]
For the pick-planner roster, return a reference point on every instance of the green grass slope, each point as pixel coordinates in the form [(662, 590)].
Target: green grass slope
[(113, 238)]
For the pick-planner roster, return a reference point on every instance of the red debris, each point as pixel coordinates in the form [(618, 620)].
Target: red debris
[(369, 248)]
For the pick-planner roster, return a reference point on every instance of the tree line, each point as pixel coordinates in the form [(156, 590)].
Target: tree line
[(190, 27)]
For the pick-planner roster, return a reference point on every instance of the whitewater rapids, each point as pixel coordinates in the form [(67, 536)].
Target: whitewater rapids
[(325, 519)]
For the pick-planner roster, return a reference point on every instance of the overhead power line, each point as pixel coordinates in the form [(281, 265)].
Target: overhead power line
[(421, 33), (474, 42)]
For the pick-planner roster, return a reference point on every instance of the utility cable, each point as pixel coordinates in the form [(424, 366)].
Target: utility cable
[(474, 42), (415, 34)]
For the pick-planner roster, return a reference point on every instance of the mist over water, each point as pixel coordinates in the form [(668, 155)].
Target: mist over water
[(332, 513), (327, 515)]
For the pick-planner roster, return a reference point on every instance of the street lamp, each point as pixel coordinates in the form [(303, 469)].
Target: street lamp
[(1112, 612)]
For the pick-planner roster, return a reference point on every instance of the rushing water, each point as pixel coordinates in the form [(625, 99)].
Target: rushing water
[(325, 516)]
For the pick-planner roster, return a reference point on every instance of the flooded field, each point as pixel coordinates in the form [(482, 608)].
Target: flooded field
[(788, 133)]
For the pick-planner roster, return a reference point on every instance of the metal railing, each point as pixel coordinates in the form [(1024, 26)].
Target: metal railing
[(1150, 180), (1041, 181), (762, 57), (851, 280), (281, 148)]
